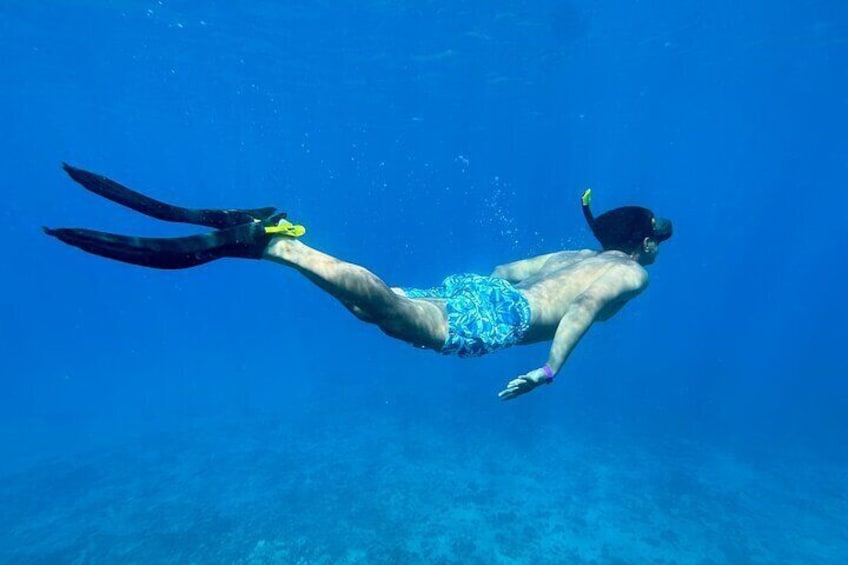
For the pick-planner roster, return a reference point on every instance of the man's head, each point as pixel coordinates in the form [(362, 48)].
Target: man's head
[(631, 229)]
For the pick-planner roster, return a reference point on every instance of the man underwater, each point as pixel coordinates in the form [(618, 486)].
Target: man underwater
[(554, 297)]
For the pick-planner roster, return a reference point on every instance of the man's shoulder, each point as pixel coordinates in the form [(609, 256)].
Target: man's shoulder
[(626, 269), (633, 275)]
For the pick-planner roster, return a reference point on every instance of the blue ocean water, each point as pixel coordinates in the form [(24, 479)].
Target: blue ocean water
[(235, 414)]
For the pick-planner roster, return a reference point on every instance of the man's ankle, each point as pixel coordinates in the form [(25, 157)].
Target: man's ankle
[(281, 249)]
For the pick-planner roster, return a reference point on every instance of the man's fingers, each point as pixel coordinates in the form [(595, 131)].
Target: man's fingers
[(517, 387), (511, 391), (507, 394)]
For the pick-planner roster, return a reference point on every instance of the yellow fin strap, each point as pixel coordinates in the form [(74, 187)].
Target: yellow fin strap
[(587, 197), (286, 229)]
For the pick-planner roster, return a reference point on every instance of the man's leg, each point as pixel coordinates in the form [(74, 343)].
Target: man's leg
[(418, 322)]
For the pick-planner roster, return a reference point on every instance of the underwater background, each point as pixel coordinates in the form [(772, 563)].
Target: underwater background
[(234, 413)]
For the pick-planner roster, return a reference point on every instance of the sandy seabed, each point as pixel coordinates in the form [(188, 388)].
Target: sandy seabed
[(387, 491)]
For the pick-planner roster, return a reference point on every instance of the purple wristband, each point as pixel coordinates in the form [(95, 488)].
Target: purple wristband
[(549, 373)]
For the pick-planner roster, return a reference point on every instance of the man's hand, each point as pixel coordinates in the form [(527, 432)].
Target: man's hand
[(524, 384)]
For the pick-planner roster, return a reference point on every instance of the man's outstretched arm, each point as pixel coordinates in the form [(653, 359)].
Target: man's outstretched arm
[(610, 291)]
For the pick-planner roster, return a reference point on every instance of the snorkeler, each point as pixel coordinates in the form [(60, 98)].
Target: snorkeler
[(554, 297)]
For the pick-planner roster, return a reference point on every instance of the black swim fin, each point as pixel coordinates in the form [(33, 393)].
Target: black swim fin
[(213, 218), (247, 240)]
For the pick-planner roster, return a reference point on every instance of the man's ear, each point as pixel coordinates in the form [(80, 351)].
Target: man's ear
[(649, 245)]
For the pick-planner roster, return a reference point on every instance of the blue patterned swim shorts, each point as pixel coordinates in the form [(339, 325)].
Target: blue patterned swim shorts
[(485, 314)]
